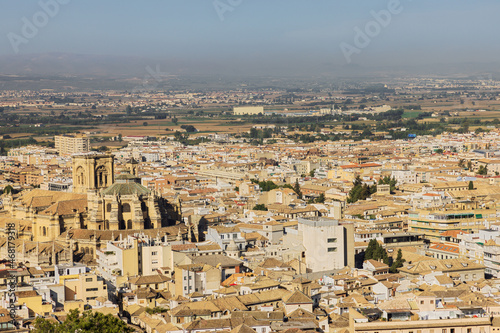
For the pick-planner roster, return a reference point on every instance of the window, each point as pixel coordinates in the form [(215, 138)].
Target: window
[(332, 240), (126, 208), (88, 280), (154, 253), (444, 330), (332, 249), (452, 330), (469, 330), (92, 289), (421, 302)]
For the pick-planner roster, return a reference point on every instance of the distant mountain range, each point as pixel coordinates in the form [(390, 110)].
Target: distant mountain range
[(77, 71)]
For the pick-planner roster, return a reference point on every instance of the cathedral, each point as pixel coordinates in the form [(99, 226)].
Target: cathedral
[(101, 207), (116, 204)]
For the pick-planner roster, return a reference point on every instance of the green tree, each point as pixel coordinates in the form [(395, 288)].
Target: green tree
[(483, 170), (360, 191), (8, 189), (260, 207), (145, 123), (266, 186), (175, 120), (372, 246), (375, 251), (469, 165), (101, 149), (181, 137), (388, 181), (439, 151), (297, 189), (471, 185), (87, 322), (320, 198), (189, 128), (236, 189), (254, 133), (128, 110), (398, 263), (311, 173)]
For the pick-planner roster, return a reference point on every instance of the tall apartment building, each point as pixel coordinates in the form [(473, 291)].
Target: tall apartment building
[(244, 110), (328, 244), (72, 144)]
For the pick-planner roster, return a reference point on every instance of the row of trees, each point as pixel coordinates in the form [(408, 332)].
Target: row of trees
[(87, 322), (360, 191), (376, 252), (388, 181)]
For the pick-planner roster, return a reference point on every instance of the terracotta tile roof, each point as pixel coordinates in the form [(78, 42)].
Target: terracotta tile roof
[(297, 297), (149, 279)]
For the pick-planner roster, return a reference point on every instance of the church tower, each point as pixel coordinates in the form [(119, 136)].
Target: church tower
[(133, 167), (92, 172)]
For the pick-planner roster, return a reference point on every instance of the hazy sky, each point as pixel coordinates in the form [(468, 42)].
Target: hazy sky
[(280, 32)]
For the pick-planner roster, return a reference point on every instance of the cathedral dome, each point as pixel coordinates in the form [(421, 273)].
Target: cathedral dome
[(126, 184)]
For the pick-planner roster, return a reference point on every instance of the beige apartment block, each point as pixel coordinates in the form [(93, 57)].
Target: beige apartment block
[(72, 144), (86, 287), (244, 110), (328, 244)]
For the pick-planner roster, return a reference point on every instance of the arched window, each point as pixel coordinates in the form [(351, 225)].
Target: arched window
[(101, 175), (80, 176), (129, 224), (44, 231), (126, 208), (108, 208)]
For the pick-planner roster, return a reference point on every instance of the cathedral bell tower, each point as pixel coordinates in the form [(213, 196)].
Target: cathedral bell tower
[(92, 172), (133, 167)]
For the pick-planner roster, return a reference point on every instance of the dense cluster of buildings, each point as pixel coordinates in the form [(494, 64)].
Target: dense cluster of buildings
[(240, 238)]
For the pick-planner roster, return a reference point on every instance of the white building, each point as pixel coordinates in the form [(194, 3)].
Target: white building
[(248, 110), (405, 176), (329, 245), (482, 247)]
